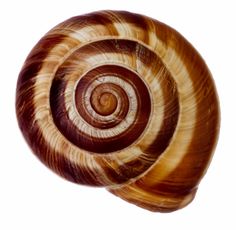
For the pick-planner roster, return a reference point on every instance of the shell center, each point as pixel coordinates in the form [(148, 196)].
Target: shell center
[(104, 103)]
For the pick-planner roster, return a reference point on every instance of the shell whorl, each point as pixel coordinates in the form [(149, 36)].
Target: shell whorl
[(120, 100)]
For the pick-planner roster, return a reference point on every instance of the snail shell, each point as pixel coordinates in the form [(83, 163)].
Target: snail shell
[(120, 100)]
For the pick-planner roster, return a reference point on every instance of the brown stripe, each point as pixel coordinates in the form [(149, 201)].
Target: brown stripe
[(134, 20), (121, 46), (101, 145), (187, 175), (80, 99), (26, 80), (26, 116), (89, 20), (191, 169), (35, 59)]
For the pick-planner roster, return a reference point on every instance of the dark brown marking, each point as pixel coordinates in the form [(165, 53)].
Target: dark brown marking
[(101, 145), (80, 100)]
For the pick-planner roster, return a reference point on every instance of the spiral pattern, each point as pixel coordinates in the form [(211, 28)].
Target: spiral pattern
[(120, 100)]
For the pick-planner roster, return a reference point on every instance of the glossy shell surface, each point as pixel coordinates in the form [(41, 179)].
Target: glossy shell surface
[(120, 100)]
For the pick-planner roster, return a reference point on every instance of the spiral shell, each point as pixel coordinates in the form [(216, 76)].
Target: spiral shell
[(120, 100)]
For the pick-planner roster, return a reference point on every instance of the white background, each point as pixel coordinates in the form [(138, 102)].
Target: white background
[(32, 197)]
